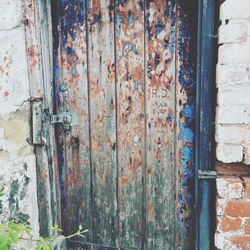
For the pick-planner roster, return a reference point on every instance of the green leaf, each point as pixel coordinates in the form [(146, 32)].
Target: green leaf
[(27, 230), (3, 239), (39, 247), (47, 247), (4, 247), (14, 237), (15, 227), (56, 228)]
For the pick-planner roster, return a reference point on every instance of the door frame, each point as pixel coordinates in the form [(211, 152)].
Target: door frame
[(40, 64), (39, 51), (205, 113)]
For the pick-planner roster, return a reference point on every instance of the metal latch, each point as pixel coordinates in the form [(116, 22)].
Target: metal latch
[(207, 174), (67, 119), (40, 118)]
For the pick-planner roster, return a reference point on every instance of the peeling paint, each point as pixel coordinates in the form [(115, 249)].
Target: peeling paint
[(186, 79), (136, 113)]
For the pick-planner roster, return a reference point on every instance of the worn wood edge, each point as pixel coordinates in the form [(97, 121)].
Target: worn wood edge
[(38, 86)]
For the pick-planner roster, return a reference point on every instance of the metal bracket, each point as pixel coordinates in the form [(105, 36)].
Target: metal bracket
[(40, 117), (207, 174), (37, 121), (67, 119)]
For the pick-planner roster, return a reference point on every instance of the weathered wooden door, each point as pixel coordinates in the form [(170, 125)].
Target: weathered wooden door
[(126, 68)]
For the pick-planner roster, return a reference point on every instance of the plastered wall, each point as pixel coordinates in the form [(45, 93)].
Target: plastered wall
[(17, 160)]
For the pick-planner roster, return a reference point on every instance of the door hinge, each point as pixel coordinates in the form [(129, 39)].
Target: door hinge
[(37, 122), (40, 118), (207, 174)]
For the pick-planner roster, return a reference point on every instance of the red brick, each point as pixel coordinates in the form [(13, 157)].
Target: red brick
[(241, 242), (247, 188), (247, 226), (237, 208), (229, 224)]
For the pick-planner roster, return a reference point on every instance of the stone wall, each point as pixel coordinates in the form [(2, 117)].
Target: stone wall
[(17, 159), (233, 126)]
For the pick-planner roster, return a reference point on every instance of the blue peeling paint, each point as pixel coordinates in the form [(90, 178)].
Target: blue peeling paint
[(121, 2), (157, 59), (73, 71), (72, 18), (170, 118), (166, 43), (159, 27), (57, 72), (137, 84), (186, 79), (130, 18), (129, 48), (118, 20), (186, 134)]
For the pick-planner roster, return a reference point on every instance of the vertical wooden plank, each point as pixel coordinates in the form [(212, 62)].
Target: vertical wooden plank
[(160, 110), (71, 91), (185, 113), (102, 94), (39, 50), (130, 120), (50, 145)]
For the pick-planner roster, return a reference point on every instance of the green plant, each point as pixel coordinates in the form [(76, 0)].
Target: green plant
[(12, 233)]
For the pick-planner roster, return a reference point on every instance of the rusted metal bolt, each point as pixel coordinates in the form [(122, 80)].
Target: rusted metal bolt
[(63, 87)]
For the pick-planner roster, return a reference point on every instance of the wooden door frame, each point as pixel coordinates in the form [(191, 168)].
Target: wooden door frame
[(39, 50), (40, 64), (205, 111)]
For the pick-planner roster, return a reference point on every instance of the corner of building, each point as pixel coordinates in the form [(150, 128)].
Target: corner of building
[(233, 127)]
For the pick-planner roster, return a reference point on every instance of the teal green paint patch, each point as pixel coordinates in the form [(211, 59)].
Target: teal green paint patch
[(25, 187), (15, 213)]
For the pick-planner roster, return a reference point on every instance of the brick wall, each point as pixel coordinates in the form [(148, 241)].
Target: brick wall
[(233, 126), (233, 213), (233, 76)]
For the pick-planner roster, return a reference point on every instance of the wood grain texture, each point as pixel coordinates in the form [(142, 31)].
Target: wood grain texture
[(130, 120), (127, 169), (70, 68), (102, 91), (160, 108), (39, 50)]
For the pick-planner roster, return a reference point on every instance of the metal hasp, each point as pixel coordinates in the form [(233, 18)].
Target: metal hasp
[(206, 174), (67, 119), (37, 121)]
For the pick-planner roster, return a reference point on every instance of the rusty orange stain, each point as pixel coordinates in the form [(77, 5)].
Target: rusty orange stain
[(136, 164), (150, 212), (124, 180), (33, 55)]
